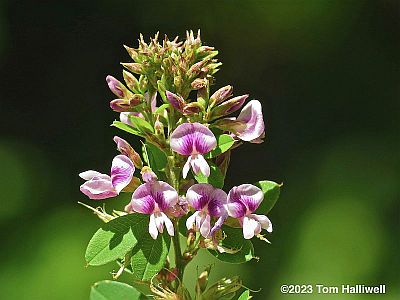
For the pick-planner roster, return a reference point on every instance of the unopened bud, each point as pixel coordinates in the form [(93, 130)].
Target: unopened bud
[(178, 81), (158, 126), (221, 95), (199, 83), (192, 108), (148, 175), (126, 149), (116, 87), (202, 281), (176, 101), (120, 105), (196, 68), (133, 67), (143, 83), (132, 52), (131, 81), (228, 107), (231, 125)]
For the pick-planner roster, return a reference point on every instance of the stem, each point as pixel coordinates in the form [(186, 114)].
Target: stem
[(179, 262)]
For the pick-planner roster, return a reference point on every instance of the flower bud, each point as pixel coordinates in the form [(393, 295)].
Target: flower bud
[(202, 281), (228, 107), (232, 125), (158, 126), (120, 105), (221, 95), (133, 67), (132, 52), (192, 108), (148, 175), (131, 81), (126, 149), (116, 87), (176, 101), (199, 83)]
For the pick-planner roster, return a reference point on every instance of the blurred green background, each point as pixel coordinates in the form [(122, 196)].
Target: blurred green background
[(327, 73)]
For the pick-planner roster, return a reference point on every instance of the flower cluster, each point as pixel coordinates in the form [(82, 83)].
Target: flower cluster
[(189, 134)]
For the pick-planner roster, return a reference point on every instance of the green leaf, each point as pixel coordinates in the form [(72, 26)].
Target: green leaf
[(235, 241), (113, 290), (141, 125), (126, 128), (224, 143), (163, 107), (216, 178), (149, 255), (245, 295), (271, 192), (154, 157)]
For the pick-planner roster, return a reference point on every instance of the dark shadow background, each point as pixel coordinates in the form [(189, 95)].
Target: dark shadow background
[(327, 73)]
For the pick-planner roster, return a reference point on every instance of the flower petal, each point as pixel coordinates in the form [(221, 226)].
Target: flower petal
[(199, 164), (199, 195), (168, 224), (98, 188), (186, 167), (159, 221), (142, 200), (191, 220), (153, 227), (216, 206), (264, 221), (249, 227), (121, 172), (248, 194), (251, 114), (163, 194), (88, 175), (236, 209), (205, 226), (192, 138)]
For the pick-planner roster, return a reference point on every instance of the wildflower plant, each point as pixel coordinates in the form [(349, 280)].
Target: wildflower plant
[(176, 185)]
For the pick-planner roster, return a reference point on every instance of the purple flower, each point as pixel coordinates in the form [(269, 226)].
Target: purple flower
[(243, 200), (102, 186), (209, 203), (251, 116), (193, 140), (154, 198)]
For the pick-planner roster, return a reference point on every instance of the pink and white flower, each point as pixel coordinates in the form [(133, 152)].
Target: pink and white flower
[(124, 116), (242, 201), (209, 202), (254, 129), (154, 198), (102, 186), (193, 140)]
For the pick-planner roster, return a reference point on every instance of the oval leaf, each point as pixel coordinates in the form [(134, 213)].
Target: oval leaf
[(154, 157), (271, 192), (234, 241), (113, 290), (116, 238), (126, 128), (141, 125), (224, 143), (216, 178), (149, 255)]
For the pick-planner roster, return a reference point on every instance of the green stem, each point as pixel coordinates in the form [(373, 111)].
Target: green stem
[(179, 262)]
